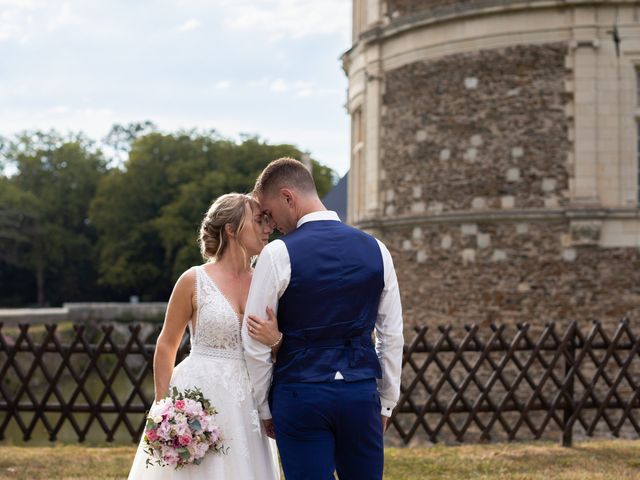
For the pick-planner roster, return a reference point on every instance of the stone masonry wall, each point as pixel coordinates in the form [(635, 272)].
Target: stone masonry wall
[(509, 273), (476, 131), (398, 9), (483, 132)]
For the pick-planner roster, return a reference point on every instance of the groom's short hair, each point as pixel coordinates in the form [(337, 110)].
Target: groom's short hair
[(284, 173)]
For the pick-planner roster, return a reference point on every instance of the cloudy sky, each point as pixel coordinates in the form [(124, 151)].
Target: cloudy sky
[(266, 67)]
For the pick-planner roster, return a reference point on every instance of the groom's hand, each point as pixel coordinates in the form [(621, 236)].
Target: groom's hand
[(269, 428), (385, 423)]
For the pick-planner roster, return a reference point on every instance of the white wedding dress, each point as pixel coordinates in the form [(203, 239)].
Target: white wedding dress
[(216, 365)]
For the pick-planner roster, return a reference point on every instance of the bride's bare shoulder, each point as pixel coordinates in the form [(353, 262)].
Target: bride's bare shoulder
[(187, 281)]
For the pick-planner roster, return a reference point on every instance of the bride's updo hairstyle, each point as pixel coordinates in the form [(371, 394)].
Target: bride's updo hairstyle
[(228, 208)]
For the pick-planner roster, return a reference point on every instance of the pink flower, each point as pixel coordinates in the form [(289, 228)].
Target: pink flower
[(152, 435), (193, 408), (164, 431), (170, 456), (181, 425), (200, 449)]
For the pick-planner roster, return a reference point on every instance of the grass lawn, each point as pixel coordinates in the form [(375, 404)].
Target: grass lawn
[(602, 459)]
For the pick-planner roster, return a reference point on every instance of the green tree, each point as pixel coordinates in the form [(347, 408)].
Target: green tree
[(44, 208), (148, 212)]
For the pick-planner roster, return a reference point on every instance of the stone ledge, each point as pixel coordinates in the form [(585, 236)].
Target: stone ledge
[(481, 7), (544, 215), (82, 312)]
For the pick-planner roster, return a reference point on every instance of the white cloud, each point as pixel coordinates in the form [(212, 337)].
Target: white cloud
[(22, 20), (118, 64), (63, 18), (289, 18), (189, 25), (222, 85), (260, 82), (303, 89), (95, 122), (19, 3), (15, 20), (279, 86), (298, 88)]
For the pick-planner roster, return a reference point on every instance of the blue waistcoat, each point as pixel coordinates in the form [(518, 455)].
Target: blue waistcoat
[(328, 311)]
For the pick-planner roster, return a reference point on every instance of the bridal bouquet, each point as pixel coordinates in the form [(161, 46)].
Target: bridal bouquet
[(181, 429)]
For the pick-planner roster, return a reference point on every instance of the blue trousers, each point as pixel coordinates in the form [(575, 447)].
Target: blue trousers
[(326, 427)]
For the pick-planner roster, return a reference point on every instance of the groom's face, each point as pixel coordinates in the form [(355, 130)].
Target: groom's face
[(278, 206)]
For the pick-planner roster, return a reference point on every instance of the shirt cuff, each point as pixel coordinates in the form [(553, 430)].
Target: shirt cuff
[(387, 407), (264, 412)]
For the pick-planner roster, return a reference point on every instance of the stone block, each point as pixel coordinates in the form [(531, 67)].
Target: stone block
[(471, 154), (507, 202), (499, 255), (569, 254), (435, 207), (390, 210), (551, 202), (476, 140), (471, 83), (585, 232), (468, 255), (479, 203), (469, 229), (418, 207), (390, 195), (549, 184), (483, 240), (513, 174)]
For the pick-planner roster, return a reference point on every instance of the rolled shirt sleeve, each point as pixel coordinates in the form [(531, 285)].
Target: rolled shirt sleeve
[(389, 336), (270, 278)]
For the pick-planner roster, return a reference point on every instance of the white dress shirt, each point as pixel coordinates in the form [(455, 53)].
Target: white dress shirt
[(270, 280)]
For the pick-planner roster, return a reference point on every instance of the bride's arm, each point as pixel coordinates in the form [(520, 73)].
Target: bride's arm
[(179, 311), (266, 331)]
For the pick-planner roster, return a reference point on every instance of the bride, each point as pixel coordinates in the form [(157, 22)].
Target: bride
[(210, 299)]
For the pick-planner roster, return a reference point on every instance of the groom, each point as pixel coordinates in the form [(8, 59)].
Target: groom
[(330, 392)]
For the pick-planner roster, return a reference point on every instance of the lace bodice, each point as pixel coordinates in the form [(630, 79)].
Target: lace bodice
[(217, 324), (217, 367)]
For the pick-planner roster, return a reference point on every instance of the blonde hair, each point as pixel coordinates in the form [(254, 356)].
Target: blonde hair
[(226, 209)]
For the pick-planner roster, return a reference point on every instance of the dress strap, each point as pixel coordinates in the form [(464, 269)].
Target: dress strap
[(193, 322)]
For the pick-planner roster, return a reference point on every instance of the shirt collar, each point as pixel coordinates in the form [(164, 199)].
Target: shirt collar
[(315, 216)]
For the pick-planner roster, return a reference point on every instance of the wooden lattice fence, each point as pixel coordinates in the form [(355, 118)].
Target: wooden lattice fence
[(519, 385), (466, 385)]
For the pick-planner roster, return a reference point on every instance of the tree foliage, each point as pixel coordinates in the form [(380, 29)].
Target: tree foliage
[(44, 211), (76, 224)]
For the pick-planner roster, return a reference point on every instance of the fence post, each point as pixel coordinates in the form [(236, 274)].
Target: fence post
[(569, 362)]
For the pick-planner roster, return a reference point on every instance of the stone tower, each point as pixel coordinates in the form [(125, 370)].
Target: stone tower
[(495, 150)]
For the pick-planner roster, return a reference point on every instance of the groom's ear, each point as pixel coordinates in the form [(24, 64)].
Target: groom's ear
[(288, 196)]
